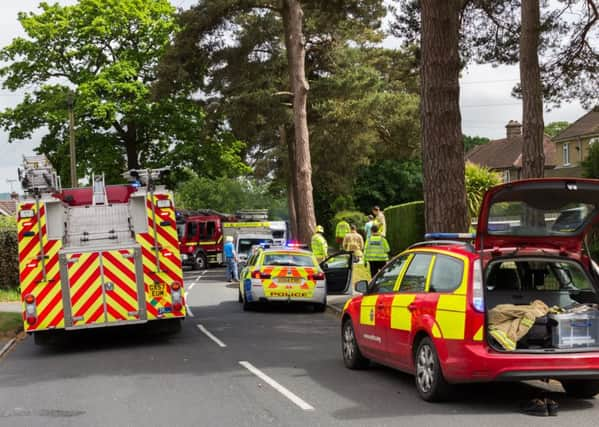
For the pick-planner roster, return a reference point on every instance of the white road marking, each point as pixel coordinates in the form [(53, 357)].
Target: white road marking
[(187, 309), (278, 387), (7, 347), (212, 337)]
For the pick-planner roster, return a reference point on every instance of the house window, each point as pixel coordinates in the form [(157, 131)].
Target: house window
[(506, 175), (566, 154)]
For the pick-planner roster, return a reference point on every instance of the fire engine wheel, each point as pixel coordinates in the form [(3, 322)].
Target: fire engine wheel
[(430, 383), (352, 356), (46, 338), (582, 389), (200, 262)]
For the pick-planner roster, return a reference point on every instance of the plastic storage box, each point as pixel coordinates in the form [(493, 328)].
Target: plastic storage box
[(575, 329)]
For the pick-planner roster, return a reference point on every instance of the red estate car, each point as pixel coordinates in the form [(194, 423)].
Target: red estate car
[(426, 311)]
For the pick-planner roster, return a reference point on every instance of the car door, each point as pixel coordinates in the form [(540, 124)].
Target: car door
[(408, 302), (338, 270), (375, 310)]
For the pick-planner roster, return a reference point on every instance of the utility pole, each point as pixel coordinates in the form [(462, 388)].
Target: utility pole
[(70, 102)]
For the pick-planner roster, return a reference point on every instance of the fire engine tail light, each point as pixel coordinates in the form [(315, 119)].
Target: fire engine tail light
[(176, 296), (30, 309), (478, 296)]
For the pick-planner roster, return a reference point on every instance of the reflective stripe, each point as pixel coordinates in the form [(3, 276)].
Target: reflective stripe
[(377, 249), (319, 246), (451, 316), (401, 317)]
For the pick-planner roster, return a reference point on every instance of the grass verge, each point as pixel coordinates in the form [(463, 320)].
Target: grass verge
[(361, 272), (10, 324), (9, 295)]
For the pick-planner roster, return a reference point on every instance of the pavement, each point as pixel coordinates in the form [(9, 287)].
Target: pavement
[(278, 366), (10, 307)]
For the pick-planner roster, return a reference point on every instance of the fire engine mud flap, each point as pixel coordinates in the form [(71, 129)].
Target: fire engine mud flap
[(103, 288)]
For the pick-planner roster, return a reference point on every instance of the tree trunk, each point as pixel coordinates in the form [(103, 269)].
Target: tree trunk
[(294, 43), (533, 155), (130, 141), (442, 148), (291, 202)]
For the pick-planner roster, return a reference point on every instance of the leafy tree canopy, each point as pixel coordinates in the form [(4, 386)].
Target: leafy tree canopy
[(472, 141), (226, 194), (105, 52), (553, 129)]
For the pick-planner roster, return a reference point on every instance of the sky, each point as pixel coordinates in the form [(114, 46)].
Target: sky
[(485, 99)]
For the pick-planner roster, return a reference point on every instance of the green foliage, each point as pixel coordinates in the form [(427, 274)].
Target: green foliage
[(590, 166), (9, 262), (478, 180), (228, 195), (388, 182), (10, 324), (553, 129), (405, 225), (106, 52), (472, 141), (352, 217)]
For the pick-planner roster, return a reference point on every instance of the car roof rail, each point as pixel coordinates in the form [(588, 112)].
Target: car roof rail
[(467, 245)]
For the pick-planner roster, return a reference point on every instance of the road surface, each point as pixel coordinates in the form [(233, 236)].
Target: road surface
[(280, 367)]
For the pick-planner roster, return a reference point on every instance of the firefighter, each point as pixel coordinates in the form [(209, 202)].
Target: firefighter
[(379, 220), (353, 242), (340, 231), (319, 245), (376, 251)]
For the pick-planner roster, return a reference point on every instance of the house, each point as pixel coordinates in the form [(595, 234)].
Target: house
[(505, 155), (572, 144), (9, 207)]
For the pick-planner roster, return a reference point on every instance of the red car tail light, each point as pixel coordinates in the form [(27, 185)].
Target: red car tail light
[(256, 274), (316, 276)]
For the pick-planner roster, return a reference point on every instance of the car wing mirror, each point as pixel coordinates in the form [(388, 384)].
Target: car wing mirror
[(324, 266), (362, 286)]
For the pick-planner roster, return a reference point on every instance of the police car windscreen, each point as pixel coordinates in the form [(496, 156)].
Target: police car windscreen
[(289, 260)]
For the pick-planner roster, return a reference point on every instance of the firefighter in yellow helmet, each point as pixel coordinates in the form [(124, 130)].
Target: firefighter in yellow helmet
[(319, 245)]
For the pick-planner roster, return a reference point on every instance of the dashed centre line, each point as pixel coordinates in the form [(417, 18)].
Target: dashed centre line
[(211, 336), (278, 387)]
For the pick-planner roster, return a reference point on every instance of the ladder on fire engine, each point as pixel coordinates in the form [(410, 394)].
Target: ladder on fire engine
[(99, 190)]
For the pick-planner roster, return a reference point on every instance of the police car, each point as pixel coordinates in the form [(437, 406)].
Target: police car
[(292, 274), (427, 311)]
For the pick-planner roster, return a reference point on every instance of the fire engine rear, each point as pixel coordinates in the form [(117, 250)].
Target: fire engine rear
[(97, 256)]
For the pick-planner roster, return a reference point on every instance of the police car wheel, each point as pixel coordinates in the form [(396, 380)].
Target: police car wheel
[(352, 357), (582, 389), (430, 383)]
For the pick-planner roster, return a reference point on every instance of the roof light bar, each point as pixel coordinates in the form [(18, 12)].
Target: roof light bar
[(430, 236)]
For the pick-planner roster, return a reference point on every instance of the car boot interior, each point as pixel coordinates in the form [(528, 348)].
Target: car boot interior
[(570, 315)]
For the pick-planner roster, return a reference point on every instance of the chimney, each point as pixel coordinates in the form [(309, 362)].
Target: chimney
[(513, 128)]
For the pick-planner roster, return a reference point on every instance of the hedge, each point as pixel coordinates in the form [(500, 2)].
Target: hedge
[(9, 262), (405, 225)]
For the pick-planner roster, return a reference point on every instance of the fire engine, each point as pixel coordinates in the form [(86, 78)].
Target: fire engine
[(103, 255), (201, 233)]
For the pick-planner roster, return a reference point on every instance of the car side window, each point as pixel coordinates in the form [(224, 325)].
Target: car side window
[(384, 282), (447, 274), (415, 278)]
